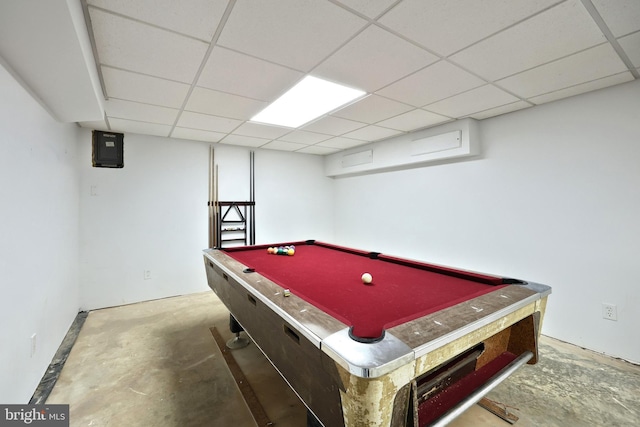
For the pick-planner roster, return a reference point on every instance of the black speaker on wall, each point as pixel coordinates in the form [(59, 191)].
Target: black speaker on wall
[(108, 149)]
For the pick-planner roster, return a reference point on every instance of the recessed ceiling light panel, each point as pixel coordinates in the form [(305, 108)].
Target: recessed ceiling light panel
[(310, 98)]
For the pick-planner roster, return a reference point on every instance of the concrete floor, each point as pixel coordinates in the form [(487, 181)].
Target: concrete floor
[(157, 364)]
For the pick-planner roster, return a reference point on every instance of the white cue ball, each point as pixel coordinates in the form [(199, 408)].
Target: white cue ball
[(366, 278)]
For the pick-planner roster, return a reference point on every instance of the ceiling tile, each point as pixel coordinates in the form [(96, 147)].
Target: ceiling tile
[(223, 104), (412, 120), (141, 88), (236, 73), (621, 16), (446, 26), (141, 112), (245, 141), (583, 88), (289, 32), (557, 32), (315, 149), (120, 125), (372, 109), (198, 135), (341, 143), (304, 137), (283, 146), (470, 102), (423, 62), (189, 119), (123, 43), (261, 131), (367, 7), (591, 64), (438, 81), (631, 46), (196, 18), (372, 133), (504, 109), (333, 125), (374, 59)]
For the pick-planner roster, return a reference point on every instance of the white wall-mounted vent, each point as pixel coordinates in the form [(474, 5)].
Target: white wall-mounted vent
[(434, 144), (355, 159), (453, 140)]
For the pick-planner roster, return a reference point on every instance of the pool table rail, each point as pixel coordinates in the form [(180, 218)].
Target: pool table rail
[(314, 324), (438, 329), (367, 360)]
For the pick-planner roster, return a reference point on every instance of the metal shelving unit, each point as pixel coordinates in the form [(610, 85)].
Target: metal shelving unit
[(231, 222)]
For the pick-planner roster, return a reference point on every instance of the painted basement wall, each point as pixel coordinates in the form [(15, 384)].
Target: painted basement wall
[(293, 198), (148, 215), (39, 238), (152, 214), (554, 198)]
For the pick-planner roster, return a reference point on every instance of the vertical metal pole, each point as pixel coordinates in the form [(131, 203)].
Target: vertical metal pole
[(217, 210), (212, 238), (252, 198)]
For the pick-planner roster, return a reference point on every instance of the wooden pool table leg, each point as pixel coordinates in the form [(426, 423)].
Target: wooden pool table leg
[(369, 402), (541, 306)]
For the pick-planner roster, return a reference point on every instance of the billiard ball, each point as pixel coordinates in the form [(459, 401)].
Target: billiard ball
[(290, 252), (366, 278)]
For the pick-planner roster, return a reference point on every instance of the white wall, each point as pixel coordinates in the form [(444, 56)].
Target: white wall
[(39, 214), (554, 198), (152, 214), (293, 198), (149, 215)]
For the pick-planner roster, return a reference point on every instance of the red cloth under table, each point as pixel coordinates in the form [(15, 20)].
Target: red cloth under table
[(432, 409), (330, 279)]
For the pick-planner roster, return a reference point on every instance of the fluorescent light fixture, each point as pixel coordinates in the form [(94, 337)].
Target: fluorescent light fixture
[(309, 99)]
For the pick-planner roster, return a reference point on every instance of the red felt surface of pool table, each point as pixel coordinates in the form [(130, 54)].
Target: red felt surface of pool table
[(329, 277)]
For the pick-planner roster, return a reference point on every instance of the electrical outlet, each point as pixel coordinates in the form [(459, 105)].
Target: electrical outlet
[(609, 311), (33, 344), (147, 274)]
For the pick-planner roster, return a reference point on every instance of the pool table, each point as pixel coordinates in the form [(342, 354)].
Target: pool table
[(416, 346)]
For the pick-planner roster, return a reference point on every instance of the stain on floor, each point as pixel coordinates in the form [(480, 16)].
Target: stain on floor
[(157, 364)]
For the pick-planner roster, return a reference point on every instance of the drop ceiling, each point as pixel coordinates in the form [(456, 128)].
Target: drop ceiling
[(200, 69)]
